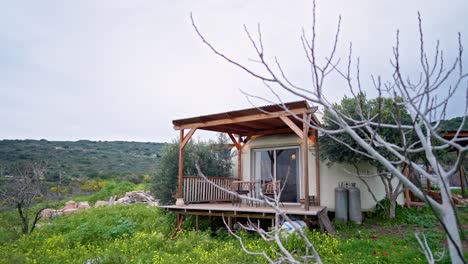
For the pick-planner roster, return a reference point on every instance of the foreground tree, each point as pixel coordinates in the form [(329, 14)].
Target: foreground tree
[(420, 97), (21, 191)]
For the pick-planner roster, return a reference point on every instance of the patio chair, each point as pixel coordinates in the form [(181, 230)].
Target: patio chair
[(272, 189), (241, 188)]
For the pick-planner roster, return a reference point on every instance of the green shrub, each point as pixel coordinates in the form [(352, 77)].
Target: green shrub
[(112, 189), (142, 234), (213, 157)]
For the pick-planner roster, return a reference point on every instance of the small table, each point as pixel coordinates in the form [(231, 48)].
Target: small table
[(244, 188)]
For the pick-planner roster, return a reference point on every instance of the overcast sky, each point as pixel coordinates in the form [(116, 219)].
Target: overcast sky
[(123, 70)]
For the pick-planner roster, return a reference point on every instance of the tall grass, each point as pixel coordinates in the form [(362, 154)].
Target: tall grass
[(141, 234)]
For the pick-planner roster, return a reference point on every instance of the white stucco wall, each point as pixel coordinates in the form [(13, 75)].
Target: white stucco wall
[(329, 176)]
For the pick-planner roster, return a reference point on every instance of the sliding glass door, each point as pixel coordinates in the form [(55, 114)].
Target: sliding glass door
[(281, 164)]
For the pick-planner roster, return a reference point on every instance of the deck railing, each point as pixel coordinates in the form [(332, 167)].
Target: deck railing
[(198, 190)]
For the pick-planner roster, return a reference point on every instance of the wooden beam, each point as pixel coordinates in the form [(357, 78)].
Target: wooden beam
[(181, 164), (271, 132), (317, 168), (185, 139), (253, 117), (293, 126), (256, 125), (237, 127), (238, 146), (305, 158)]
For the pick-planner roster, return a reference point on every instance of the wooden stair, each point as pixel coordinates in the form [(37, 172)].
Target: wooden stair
[(325, 223)]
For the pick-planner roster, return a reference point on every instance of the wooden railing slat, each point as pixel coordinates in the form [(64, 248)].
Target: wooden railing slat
[(197, 189)]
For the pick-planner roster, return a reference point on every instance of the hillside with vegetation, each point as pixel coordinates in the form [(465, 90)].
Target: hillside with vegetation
[(453, 124), (68, 160)]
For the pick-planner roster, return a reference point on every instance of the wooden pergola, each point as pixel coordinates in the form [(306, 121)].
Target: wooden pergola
[(462, 140), (243, 125)]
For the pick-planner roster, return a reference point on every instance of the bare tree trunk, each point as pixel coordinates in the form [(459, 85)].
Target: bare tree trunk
[(419, 97), (37, 217), (392, 209), (24, 219), (451, 226)]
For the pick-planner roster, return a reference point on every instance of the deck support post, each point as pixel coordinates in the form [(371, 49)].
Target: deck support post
[(239, 159), (183, 142), (317, 168), (407, 192), (461, 174), (305, 158), (181, 165), (239, 144), (428, 182), (197, 224)]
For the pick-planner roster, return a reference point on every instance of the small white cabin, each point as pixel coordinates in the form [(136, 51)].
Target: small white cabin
[(274, 142)]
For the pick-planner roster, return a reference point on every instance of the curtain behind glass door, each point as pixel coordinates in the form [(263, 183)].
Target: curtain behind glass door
[(264, 165), (286, 172)]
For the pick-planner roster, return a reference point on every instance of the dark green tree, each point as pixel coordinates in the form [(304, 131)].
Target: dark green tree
[(341, 148), (213, 156)]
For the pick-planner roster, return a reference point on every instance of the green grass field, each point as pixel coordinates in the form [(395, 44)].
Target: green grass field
[(140, 234)]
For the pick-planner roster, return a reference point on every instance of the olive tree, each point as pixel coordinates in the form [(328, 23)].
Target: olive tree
[(383, 109), (213, 157)]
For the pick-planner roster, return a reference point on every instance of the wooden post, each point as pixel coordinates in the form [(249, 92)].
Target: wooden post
[(183, 141), (317, 167), (428, 182), (305, 159), (197, 225), (181, 164), (239, 158), (239, 145), (407, 192), (461, 174)]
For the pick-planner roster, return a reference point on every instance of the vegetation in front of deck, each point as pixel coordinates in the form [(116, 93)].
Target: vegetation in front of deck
[(139, 234)]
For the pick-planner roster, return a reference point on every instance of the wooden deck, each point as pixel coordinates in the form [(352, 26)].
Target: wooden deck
[(227, 209), (315, 214)]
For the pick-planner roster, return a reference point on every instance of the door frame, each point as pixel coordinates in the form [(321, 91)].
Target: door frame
[(299, 179)]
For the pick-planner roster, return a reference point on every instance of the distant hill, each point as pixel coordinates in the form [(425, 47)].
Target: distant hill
[(83, 158), (453, 124)]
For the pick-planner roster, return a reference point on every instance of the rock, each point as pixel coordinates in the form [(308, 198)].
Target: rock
[(58, 212), (83, 205), (123, 200), (70, 205), (48, 213), (69, 211), (136, 197), (112, 200), (140, 197), (101, 203), (155, 203)]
